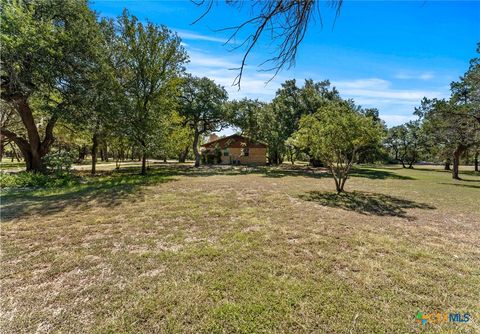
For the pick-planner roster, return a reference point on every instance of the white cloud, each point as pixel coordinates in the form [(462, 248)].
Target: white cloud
[(396, 105), (188, 35), (426, 76), (410, 75), (223, 71), (252, 85), (402, 95), (373, 83), (374, 89), (200, 59)]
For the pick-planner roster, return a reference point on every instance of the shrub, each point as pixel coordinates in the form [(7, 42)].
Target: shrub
[(59, 162), (218, 156), (210, 159)]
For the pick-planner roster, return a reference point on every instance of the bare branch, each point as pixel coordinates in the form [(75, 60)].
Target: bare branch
[(200, 3), (284, 21)]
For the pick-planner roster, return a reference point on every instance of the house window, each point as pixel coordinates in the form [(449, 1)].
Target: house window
[(245, 151), (225, 153)]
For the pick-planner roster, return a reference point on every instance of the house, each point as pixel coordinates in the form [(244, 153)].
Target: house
[(234, 149)]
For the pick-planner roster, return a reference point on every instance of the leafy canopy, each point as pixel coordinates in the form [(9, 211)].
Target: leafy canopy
[(335, 134)]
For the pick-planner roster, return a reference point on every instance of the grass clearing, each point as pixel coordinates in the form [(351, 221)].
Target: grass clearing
[(242, 251)]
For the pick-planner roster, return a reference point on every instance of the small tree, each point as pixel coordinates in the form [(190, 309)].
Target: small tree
[(203, 104), (336, 134)]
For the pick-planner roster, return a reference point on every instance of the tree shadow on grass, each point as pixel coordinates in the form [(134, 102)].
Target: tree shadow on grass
[(172, 170), (366, 203), (462, 179), (101, 191), (461, 172), (470, 172), (322, 173), (278, 172), (265, 171), (378, 174), (462, 185)]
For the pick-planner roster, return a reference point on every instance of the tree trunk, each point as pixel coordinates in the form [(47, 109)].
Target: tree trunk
[(94, 152), (82, 152), (476, 160), (33, 158), (447, 165), (343, 179), (105, 150), (195, 149), (2, 150), (35, 162), (342, 184), (456, 160), (33, 149), (28, 159), (14, 152), (183, 155), (315, 162), (34, 155), (276, 159), (339, 183), (144, 163), (338, 186)]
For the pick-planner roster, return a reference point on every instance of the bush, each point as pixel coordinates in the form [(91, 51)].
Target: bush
[(59, 162), (218, 156), (210, 159), (29, 179)]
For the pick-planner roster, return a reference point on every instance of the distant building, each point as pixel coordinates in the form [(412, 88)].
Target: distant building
[(234, 150)]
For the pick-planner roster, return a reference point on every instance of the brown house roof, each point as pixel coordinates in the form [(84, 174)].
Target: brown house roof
[(234, 141)]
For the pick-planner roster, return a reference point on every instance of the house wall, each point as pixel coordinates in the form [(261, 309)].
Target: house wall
[(256, 156)]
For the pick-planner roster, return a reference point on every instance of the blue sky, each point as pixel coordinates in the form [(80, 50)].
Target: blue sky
[(383, 54)]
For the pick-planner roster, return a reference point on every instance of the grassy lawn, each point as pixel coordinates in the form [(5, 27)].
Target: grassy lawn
[(13, 165), (242, 251)]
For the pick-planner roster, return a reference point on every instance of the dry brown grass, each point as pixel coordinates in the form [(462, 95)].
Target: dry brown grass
[(237, 252)]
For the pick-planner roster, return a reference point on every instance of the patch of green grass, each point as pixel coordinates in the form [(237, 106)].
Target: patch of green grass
[(235, 250), (37, 180)]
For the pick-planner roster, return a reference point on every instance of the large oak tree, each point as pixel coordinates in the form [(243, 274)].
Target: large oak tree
[(48, 50)]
